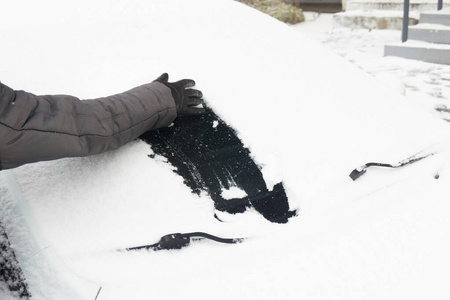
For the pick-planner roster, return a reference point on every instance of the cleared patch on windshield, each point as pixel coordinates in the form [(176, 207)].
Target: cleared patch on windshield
[(210, 157)]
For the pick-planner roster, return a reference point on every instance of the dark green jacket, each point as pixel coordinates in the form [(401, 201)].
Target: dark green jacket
[(37, 128)]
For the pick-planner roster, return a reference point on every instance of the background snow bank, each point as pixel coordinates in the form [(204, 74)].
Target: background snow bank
[(307, 115)]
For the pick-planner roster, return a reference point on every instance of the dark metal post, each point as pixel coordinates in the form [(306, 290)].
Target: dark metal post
[(440, 4), (405, 20)]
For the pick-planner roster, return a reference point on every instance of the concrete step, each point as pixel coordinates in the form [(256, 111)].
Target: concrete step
[(414, 5), (373, 19), (436, 17), (383, 14), (432, 33), (418, 50)]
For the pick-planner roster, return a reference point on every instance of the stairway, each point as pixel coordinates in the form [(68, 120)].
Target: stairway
[(381, 14), (427, 41)]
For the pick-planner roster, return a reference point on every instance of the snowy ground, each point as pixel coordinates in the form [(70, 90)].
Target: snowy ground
[(308, 116), (425, 84)]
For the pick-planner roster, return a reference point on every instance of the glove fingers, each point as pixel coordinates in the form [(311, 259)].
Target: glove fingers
[(185, 83), (187, 100), (194, 102), (194, 93), (164, 78), (194, 111)]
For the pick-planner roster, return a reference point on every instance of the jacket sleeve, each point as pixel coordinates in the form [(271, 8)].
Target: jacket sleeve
[(37, 128)]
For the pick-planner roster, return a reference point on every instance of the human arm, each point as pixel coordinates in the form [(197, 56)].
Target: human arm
[(36, 128)]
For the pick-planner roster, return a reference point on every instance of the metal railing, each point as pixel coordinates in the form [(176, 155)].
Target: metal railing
[(406, 18)]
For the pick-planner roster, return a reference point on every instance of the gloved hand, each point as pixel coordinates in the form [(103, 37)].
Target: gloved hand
[(186, 99)]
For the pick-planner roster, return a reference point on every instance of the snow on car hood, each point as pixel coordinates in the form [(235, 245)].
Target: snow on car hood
[(307, 116)]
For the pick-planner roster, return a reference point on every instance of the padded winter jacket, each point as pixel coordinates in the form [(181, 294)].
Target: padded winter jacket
[(38, 128)]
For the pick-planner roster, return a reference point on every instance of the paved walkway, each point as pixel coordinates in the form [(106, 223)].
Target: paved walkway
[(425, 84)]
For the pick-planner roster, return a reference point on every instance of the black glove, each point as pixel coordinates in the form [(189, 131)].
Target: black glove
[(185, 99)]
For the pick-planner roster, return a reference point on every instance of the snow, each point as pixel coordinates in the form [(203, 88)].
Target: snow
[(380, 13), (233, 192), (308, 117), (397, 1), (444, 11), (432, 26), (421, 44), (5, 293), (425, 83)]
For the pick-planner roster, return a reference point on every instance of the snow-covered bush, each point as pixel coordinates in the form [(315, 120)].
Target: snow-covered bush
[(278, 9)]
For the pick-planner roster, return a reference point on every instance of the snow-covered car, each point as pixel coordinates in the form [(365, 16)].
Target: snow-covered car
[(308, 118)]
